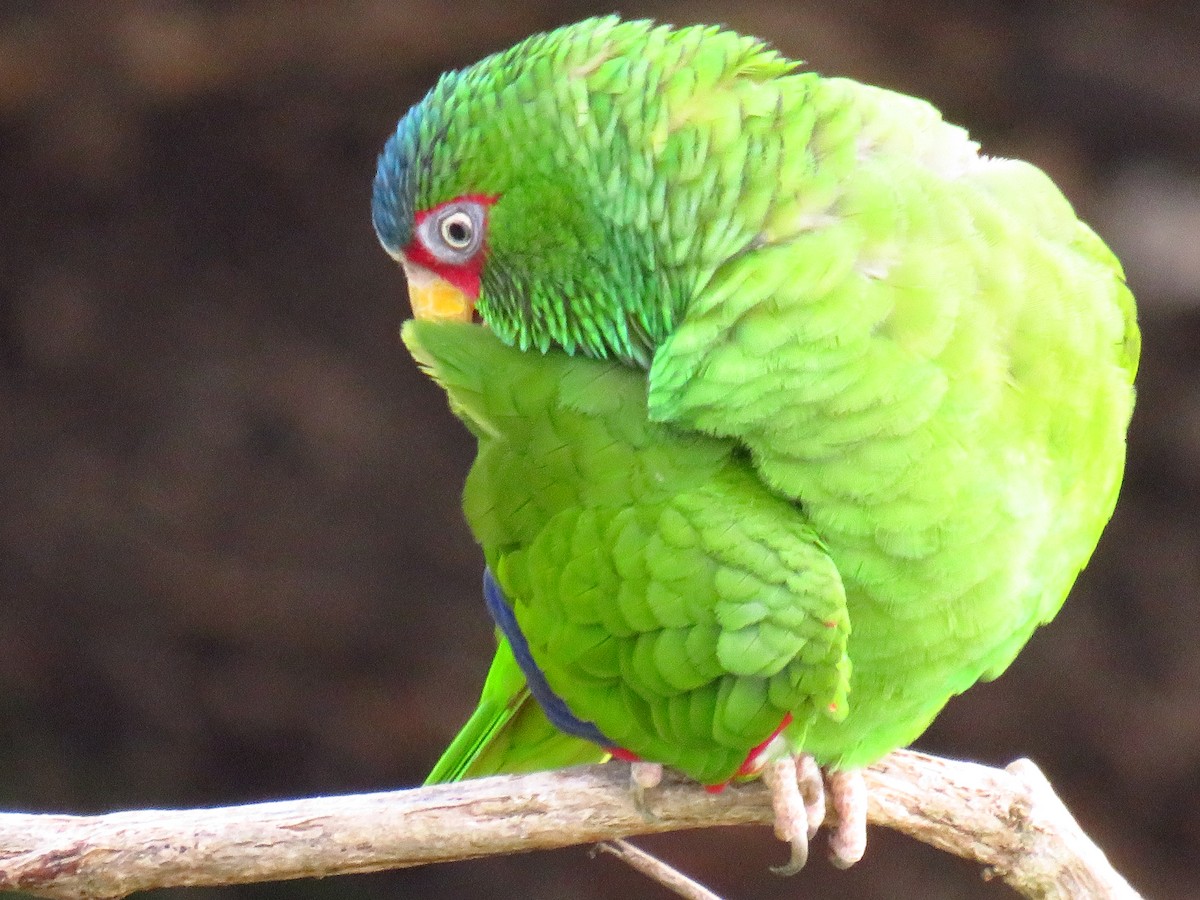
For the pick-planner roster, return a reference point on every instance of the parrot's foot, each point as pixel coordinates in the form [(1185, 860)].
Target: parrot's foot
[(812, 789), (644, 776), (848, 842), (792, 819), (798, 795)]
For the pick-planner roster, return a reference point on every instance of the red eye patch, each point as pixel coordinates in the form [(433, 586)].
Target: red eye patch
[(464, 276)]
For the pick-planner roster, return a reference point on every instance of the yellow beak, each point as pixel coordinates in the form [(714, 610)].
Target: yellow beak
[(433, 297)]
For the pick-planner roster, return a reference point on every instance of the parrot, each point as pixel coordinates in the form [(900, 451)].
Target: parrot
[(796, 412)]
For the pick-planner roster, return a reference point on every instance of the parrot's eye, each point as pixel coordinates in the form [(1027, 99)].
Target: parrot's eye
[(457, 230), (454, 233)]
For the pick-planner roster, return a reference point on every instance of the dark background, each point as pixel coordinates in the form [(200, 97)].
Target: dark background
[(232, 564)]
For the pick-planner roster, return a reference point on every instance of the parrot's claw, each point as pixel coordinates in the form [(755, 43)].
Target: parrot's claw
[(848, 842), (644, 776), (792, 820), (798, 795)]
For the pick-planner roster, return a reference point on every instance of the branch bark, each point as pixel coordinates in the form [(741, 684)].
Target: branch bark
[(1010, 821)]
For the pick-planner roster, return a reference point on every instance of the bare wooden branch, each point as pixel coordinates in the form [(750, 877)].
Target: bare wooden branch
[(654, 868), (1010, 821)]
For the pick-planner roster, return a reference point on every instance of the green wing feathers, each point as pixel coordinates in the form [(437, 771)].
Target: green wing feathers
[(667, 596)]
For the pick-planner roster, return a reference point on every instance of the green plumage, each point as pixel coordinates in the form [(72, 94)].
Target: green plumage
[(508, 733), (676, 602), (885, 378)]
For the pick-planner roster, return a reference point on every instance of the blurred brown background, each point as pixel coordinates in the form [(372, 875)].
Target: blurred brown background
[(232, 564)]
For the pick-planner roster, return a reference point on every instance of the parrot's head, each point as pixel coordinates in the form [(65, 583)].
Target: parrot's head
[(530, 190)]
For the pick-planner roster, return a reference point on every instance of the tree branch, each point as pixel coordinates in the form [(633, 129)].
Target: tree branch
[(1010, 821), (657, 870)]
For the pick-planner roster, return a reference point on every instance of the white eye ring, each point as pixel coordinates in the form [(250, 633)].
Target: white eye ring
[(457, 230), (454, 234)]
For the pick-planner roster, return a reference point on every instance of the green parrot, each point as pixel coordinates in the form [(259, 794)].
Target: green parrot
[(796, 413)]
